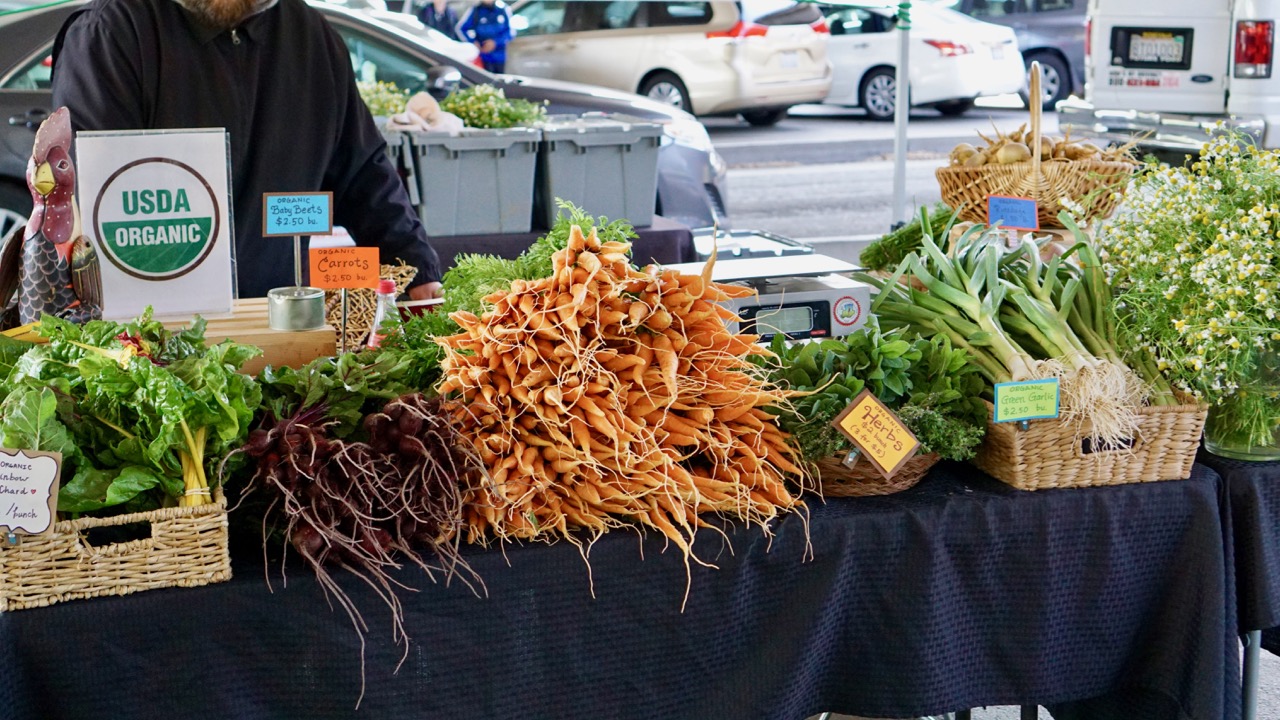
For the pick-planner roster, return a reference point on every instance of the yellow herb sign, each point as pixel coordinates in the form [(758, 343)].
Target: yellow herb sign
[(878, 433)]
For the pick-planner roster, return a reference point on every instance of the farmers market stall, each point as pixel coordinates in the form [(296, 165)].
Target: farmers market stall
[(958, 593), (581, 485)]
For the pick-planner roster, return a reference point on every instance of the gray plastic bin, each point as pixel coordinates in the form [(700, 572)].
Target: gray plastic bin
[(477, 182), (399, 153), (606, 164)]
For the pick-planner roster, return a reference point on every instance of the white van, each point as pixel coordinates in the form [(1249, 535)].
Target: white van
[(1177, 68)]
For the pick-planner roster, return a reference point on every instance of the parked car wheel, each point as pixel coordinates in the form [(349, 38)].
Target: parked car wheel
[(1055, 80), (879, 90), (15, 207), (666, 88), (764, 118), (955, 108)]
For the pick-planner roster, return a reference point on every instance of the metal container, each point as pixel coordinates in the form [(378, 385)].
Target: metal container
[(295, 308)]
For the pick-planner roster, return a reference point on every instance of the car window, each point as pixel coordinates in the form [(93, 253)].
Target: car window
[(543, 18), (1051, 5), (374, 60), (663, 14), (856, 21), (997, 8), (779, 12), (35, 76), (596, 15)]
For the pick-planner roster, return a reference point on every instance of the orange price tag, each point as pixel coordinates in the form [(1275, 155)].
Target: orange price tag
[(877, 432), (344, 267)]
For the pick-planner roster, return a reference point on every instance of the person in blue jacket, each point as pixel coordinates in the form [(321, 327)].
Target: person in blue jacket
[(488, 25)]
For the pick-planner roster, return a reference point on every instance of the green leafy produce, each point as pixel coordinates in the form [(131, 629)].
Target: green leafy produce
[(137, 411), (342, 389), (384, 99), (487, 106), (885, 253), (932, 386)]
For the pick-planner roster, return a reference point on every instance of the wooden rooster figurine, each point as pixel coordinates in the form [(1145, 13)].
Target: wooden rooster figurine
[(52, 266)]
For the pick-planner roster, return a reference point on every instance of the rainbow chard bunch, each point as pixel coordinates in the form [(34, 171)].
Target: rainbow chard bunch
[(139, 413)]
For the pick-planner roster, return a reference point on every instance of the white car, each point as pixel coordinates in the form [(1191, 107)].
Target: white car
[(755, 58), (954, 59)]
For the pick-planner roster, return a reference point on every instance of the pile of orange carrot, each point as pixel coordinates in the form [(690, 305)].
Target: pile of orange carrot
[(605, 395)]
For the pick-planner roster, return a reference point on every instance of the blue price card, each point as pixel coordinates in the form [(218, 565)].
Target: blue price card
[(1014, 213), (308, 213), (1027, 400)]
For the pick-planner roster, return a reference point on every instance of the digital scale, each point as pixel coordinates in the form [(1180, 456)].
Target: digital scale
[(801, 296)]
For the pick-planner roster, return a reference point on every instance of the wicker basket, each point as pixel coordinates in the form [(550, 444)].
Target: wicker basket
[(362, 305), (1049, 454), (187, 548), (863, 480), (1094, 185)]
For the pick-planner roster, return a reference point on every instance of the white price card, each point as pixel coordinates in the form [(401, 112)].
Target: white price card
[(28, 491)]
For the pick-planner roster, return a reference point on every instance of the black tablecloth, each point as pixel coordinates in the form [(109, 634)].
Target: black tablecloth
[(664, 242), (958, 593), (1253, 495)]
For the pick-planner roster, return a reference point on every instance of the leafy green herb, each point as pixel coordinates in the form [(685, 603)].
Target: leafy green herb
[(885, 253), (931, 385)]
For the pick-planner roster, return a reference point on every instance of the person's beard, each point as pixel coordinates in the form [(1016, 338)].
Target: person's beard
[(221, 14)]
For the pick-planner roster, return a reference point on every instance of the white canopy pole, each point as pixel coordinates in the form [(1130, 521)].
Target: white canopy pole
[(901, 111)]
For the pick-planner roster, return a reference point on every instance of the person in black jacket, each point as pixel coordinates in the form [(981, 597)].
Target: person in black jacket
[(277, 76), (437, 14)]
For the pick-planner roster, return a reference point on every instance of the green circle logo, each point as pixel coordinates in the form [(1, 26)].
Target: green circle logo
[(156, 219)]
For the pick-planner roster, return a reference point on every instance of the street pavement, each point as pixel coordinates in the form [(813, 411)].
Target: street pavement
[(825, 176)]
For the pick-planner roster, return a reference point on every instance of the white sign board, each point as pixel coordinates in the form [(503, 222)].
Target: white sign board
[(156, 204), (28, 491)]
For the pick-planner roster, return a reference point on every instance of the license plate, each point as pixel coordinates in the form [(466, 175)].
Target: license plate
[(997, 52), (1163, 48), (1151, 48), (789, 60)]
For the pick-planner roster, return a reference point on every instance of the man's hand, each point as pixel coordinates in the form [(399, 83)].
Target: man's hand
[(487, 46), (425, 291)]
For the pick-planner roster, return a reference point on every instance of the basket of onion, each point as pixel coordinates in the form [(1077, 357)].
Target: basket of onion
[(1027, 164)]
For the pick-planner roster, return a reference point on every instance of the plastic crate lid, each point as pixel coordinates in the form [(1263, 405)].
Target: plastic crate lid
[(599, 123)]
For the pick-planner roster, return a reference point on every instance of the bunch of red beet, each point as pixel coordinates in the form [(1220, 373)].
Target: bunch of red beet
[(367, 506)]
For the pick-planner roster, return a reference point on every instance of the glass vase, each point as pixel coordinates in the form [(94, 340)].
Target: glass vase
[(1246, 425)]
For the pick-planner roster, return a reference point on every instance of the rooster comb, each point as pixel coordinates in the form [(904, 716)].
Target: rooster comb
[(54, 132)]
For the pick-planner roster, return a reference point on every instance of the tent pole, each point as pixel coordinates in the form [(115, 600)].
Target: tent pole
[(901, 111)]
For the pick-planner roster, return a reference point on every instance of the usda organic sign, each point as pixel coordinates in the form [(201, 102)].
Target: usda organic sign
[(159, 219)]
